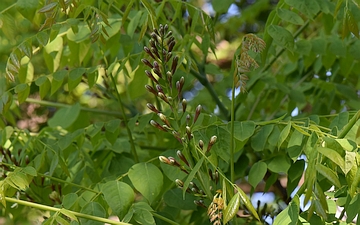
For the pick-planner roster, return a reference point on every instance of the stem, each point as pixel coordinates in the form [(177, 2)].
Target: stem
[(164, 218), (348, 126), (232, 173), (53, 209), (133, 149), (6, 9), (61, 105)]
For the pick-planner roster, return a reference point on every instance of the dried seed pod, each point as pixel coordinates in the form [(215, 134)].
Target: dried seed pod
[(152, 108), (197, 113)]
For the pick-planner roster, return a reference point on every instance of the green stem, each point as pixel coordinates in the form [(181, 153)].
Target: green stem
[(133, 149), (164, 218), (53, 209), (232, 140), (8, 8), (61, 105), (348, 126)]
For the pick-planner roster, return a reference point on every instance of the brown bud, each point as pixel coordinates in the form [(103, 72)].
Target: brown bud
[(163, 97), (216, 177), (174, 64), (151, 89), (171, 46), (188, 132), (166, 127), (156, 65), (200, 203), (164, 119), (149, 75), (146, 62), (165, 160), (159, 88), (182, 157), (210, 174), (168, 56), (179, 183), (154, 35), (201, 144), (197, 113), (182, 82), (152, 108), (168, 34), (157, 72), (171, 39), (211, 142), (166, 28), (155, 51), (169, 77), (173, 161), (152, 43), (184, 104), (188, 118), (157, 125), (177, 136), (147, 50)]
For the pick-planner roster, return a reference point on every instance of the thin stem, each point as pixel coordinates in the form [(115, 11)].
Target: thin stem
[(232, 140), (122, 108), (61, 105), (164, 218), (8, 8), (53, 209)]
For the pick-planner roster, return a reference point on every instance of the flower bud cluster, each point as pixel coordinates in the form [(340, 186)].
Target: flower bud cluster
[(173, 162)]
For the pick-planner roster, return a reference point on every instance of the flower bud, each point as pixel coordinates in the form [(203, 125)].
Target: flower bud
[(173, 161), (179, 183), (171, 39), (200, 203), (169, 77), (197, 113), (157, 72), (174, 64), (159, 88), (147, 50), (149, 75), (211, 142), (155, 51), (177, 136), (163, 97), (157, 125), (151, 89), (168, 34), (184, 104), (168, 56), (152, 108), (146, 62), (164, 119), (154, 35), (171, 46), (152, 43), (201, 144), (165, 160), (210, 174), (188, 118), (188, 132), (182, 157)]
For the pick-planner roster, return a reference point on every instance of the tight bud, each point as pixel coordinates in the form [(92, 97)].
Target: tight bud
[(211, 142), (184, 104), (147, 50), (157, 125), (197, 113), (174, 64), (182, 157), (149, 75), (146, 62), (165, 160), (152, 108), (201, 144), (151, 89), (164, 119)]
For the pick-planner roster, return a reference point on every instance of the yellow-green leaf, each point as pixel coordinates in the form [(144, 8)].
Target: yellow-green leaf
[(232, 208)]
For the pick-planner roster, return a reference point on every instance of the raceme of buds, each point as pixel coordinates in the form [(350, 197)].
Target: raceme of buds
[(197, 113), (147, 50)]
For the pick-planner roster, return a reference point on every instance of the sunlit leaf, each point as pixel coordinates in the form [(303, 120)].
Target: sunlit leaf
[(232, 208), (257, 173), (329, 174), (290, 215)]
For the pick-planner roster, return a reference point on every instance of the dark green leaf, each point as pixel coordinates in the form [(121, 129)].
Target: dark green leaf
[(257, 173), (243, 130), (65, 117), (308, 7), (58, 79), (23, 91), (27, 8), (281, 36), (93, 209), (258, 141), (174, 198), (119, 196), (221, 6), (192, 175), (290, 16), (147, 179), (279, 164), (75, 76)]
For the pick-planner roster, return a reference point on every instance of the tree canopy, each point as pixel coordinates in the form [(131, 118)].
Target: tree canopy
[(177, 112)]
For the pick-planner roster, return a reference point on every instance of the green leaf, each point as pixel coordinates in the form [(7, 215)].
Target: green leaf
[(65, 117), (173, 198), (351, 23), (69, 200), (347, 144), (232, 208), (26, 48), (48, 7), (353, 209), (281, 36), (44, 85), (289, 16), (147, 179), (57, 81), (257, 173), (134, 22), (23, 91), (328, 174), (142, 214), (192, 175), (75, 76), (221, 6), (279, 164), (290, 215), (29, 170), (258, 141), (246, 201), (303, 47), (308, 7), (333, 156), (243, 130), (27, 8), (284, 134), (119, 196), (93, 209)]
